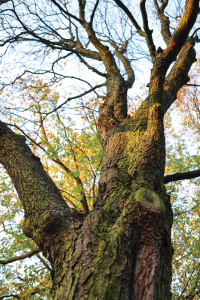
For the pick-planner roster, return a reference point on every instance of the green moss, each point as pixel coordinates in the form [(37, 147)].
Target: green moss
[(146, 197), (126, 128)]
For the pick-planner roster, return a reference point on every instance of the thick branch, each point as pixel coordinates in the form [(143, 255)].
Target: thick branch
[(127, 65), (20, 257), (178, 76), (37, 192), (182, 176), (64, 167), (164, 20), (106, 55), (3, 1), (82, 10), (148, 32), (165, 58), (88, 53), (181, 33)]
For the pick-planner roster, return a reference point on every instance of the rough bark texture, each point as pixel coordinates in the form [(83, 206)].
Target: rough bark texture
[(122, 249)]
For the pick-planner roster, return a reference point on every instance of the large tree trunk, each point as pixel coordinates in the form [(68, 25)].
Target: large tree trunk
[(122, 250)]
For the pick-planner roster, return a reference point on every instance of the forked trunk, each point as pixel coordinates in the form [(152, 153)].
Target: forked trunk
[(122, 250)]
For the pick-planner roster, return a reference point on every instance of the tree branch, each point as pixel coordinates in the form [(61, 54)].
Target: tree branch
[(165, 58), (93, 12), (187, 283), (164, 20), (44, 263), (3, 1), (178, 75), (37, 192), (106, 55), (8, 296), (129, 14), (66, 12), (20, 257), (79, 183), (182, 176), (181, 33), (75, 97), (148, 32), (82, 10), (65, 168), (127, 65), (61, 44), (90, 67)]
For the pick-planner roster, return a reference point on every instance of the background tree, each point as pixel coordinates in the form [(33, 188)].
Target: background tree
[(122, 248)]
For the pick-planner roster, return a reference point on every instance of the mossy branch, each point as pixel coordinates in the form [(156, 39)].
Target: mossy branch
[(20, 257)]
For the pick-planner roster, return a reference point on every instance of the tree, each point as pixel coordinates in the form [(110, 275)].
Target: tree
[(120, 249)]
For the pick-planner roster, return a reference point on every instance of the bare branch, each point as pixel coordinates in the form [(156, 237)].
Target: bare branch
[(75, 97), (8, 296), (90, 67), (82, 10), (129, 14), (181, 33), (166, 57), (148, 32), (20, 257), (61, 44), (93, 12), (66, 12), (164, 20), (106, 54), (44, 263), (182, 176), (127, 65)]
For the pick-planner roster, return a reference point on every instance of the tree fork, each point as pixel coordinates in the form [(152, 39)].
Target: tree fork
[(128, 221)]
